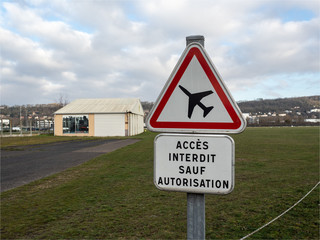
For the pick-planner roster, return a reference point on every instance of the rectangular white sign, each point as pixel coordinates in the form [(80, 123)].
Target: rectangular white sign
[(194, 163)]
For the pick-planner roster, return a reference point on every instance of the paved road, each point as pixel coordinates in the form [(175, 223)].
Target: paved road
[(38, 161)]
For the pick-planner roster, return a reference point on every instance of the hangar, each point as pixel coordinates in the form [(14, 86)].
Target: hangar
[(100, 117)]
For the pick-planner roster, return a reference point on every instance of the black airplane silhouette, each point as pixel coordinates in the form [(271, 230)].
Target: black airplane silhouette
[(194, 99)]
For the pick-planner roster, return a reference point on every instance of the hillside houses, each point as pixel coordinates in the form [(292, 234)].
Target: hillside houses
[(288, 111), (287, 117)]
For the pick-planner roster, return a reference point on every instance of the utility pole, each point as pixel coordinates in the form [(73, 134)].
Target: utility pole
[(20, 123), (1, 122), (10, 127)]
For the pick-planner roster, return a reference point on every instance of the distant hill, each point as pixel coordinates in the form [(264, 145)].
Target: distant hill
[(298, 106), (279, 105)]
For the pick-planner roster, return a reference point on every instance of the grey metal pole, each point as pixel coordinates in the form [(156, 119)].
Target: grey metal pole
[(1, 122), (30, 127), (195, 38), (10, 121), (196, 226), (20, 123), (1, 127)]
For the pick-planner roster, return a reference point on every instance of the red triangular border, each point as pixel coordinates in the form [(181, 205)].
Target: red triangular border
[(195, 51)]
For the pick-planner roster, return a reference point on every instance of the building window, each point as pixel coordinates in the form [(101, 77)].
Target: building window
[(76, 124)]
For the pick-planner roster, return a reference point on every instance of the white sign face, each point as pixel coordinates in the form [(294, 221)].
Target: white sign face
[(194, 163), (177, 107)]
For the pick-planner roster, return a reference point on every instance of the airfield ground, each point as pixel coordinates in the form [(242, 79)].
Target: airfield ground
[(113, 195)]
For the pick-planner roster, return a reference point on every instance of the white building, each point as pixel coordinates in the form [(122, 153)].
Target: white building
[(312, 120), (100, 117)]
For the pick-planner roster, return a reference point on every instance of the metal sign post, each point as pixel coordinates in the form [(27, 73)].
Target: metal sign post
[(196, 223), (196, 216)]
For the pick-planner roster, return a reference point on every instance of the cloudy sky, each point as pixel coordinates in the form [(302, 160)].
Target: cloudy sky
[(121, 48)]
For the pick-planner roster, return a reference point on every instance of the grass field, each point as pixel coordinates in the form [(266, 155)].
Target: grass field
[(113, 196)]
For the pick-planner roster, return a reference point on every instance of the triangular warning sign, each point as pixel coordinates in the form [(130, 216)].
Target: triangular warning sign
[(195, 99)]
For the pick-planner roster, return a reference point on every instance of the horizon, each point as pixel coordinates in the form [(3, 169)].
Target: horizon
[(240, 101)]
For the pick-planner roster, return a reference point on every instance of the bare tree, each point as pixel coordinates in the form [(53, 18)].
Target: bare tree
[(63, 99)]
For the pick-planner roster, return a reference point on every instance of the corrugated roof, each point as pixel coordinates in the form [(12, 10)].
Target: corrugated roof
[(105, 105)]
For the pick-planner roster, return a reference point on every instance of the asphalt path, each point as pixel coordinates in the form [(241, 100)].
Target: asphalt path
[(29, 163)]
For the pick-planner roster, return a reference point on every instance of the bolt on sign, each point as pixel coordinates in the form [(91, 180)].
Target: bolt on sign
[(194, 163)]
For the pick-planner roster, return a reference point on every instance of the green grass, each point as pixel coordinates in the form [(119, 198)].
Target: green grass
[(113, 196)]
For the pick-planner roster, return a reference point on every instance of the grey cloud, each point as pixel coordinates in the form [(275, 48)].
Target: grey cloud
[(128, 49)]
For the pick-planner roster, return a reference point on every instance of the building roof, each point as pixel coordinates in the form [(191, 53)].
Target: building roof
[(104, 105)]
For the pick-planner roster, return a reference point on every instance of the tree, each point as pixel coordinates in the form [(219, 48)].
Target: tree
[(63, 99)]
